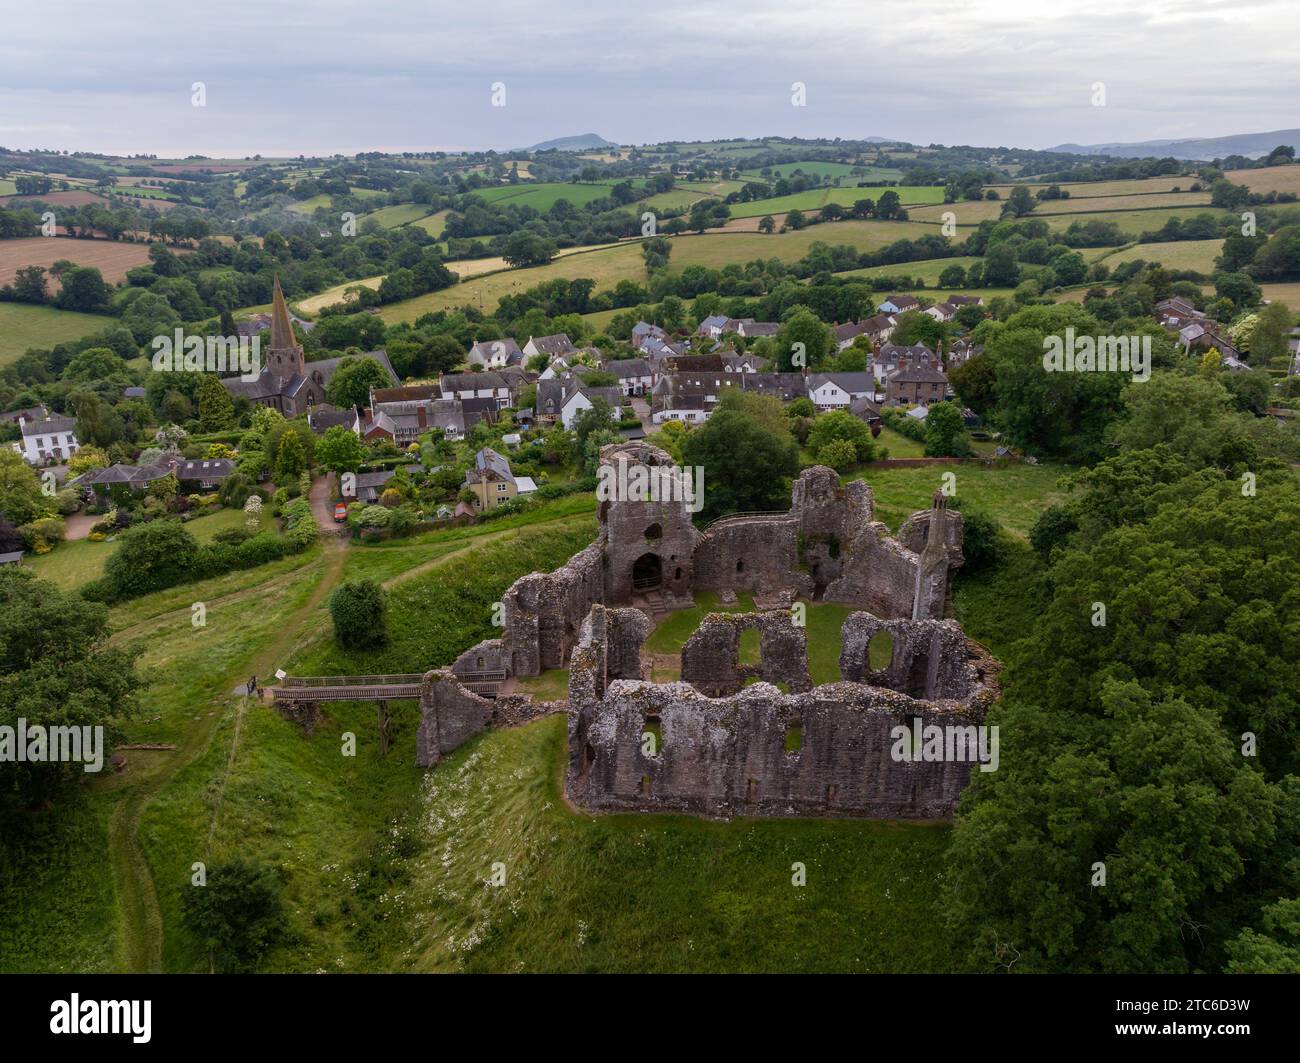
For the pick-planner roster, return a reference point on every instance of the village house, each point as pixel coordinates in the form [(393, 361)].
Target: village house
[(635, 376), (941, 311), (485, 385), (892, 358), (865, 409), (402, 422), (899, 304), (47, 441), (558, 345), (713, 326), (584, 397), (366, 487), (880, 328), (847, 333), (916, 385), (743, 363), (554, 368), (133, 477), (205, 473), (835, 391), (784, 386), (689, 408), (494, 354), (323, 418), (751, 329), (492, 481), (643, 331)]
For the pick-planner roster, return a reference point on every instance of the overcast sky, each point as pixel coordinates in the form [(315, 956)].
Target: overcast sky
[(285, 77)]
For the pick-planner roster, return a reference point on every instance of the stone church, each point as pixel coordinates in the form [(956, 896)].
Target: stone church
[(288, 382)]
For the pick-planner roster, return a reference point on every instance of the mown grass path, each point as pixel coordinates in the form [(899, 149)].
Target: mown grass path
[(141, 931)]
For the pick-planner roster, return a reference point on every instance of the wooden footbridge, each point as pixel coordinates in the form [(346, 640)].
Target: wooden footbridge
[(402, 687)]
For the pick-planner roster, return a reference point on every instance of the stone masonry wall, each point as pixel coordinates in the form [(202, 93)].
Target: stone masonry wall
[(823, 751)]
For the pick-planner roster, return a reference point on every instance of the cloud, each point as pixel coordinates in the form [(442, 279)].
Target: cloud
[(321, 76)]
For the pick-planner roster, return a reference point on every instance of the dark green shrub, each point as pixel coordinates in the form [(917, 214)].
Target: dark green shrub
[(358, 610)]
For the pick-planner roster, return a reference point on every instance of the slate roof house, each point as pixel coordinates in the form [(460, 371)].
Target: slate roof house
[(369, 485), (136, 477), (288, 382), (899, 304), (635, 375), (323, 418), (492, 481), (836, 391), (494, 354), (785, 386), (207, 473), (917, 384), (559, 344), (48, 441), (489, 385), (712, 326), (643, 331)]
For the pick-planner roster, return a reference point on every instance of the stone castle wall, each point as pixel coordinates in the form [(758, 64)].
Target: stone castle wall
[(823, 751), (827, 546)]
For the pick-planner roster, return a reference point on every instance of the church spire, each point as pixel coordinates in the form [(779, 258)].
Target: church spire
[(282, 335)]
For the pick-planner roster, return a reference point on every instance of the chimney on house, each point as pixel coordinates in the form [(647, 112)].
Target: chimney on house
[(422, 416)]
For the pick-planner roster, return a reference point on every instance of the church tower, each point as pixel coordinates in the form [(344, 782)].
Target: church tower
[(284, 358)]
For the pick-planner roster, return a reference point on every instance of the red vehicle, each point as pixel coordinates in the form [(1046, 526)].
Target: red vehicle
[(340, 511)]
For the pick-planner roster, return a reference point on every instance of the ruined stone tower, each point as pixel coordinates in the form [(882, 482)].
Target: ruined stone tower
[(645, 510)]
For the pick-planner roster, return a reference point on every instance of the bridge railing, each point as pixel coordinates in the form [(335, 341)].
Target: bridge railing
[(408, 679)]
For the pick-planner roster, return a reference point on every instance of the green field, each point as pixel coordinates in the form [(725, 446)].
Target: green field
[(1133, 222), (925, 270), (542, 197), (608, 266), (1196, 255), (842, 173), (816, 198), (307, 206), (23, 325), (1015, 495), (433, 224), (392, 217)]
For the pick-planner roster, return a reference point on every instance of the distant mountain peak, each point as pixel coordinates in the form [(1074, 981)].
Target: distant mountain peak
[(1251, 145), (582, 142)]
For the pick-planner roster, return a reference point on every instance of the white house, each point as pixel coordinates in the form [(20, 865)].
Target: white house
[(49, 441), (553, 369), (940, 312), (635, 376), (689, 409), (494, 354), (476, 386), (899, 304), (834, 391), (551, 346), (580, 398)]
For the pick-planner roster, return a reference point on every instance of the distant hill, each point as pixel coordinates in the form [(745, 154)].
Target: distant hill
[(585, 142), (1251, 145)]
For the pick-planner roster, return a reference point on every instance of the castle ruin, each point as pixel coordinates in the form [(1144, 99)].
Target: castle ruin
[(730, 738)]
